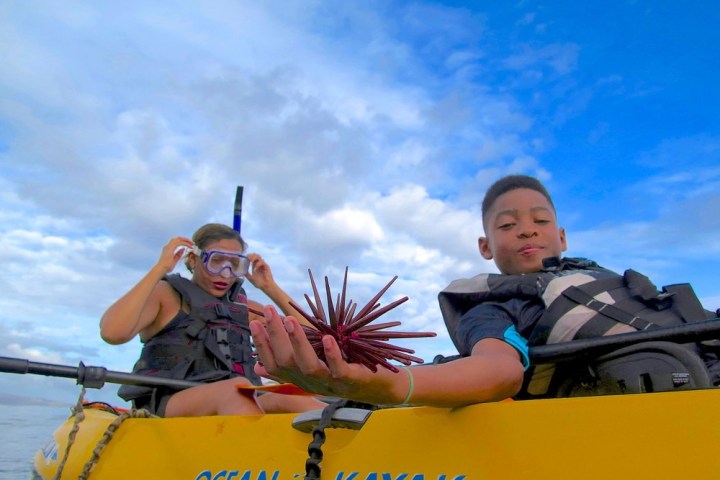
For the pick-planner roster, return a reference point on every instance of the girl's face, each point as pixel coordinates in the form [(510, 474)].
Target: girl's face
[(216, 284)]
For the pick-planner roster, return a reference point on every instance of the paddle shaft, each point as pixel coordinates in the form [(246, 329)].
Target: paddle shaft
[(592, 347), (685, 333), (91, 377), (96, 377)]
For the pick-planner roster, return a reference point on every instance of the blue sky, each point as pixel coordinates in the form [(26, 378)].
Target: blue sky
[(364, 134)]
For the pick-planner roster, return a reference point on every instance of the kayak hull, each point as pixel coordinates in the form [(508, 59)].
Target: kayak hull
[(658, 435)]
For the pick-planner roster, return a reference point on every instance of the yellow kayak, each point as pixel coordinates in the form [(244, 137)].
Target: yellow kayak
[(642, 436)]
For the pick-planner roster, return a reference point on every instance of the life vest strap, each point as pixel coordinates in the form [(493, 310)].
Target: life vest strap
[(581, 298)]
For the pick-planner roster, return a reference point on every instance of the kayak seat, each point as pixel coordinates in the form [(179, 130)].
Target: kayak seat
[(641, 368)]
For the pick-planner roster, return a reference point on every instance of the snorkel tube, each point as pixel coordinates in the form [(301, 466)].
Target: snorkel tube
[(237, 216)]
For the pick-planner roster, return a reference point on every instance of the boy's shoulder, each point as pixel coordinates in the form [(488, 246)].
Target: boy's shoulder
[(522, 284), (463, 294)]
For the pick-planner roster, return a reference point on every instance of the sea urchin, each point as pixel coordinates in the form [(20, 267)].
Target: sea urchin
[(359, 342)]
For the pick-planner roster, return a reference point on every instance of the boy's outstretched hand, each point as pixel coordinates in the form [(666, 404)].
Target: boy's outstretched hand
[(286, 355)]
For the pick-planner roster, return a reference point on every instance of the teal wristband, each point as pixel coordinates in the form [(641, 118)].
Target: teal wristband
[(411, 388)]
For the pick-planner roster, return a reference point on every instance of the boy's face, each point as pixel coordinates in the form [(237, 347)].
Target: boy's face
[(521, 230)]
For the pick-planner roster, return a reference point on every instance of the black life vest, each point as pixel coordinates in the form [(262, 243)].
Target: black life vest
[(581, 299), (212, 342)]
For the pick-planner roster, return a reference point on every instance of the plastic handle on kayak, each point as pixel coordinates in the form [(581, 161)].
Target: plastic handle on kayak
[(350, 418)]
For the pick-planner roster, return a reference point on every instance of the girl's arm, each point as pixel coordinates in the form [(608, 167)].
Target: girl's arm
[(141, 306)]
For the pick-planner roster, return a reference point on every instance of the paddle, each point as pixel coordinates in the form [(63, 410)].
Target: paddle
[(90, 377), (685, 333), (95, 377), (590, 347)]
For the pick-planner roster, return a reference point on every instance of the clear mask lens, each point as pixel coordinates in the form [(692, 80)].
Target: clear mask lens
[(217, 262)]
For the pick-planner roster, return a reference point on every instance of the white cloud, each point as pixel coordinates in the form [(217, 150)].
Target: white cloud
[(32, 354), (561, 58)]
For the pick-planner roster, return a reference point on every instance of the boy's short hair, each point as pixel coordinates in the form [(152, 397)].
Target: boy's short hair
[(509, 183)]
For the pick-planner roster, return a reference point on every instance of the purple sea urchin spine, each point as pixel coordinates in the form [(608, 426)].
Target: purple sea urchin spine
[(358, 341)]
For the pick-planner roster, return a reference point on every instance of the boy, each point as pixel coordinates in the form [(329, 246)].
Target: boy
[(522, 237)]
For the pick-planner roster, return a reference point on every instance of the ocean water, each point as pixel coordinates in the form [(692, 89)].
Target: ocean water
[(24, 429)]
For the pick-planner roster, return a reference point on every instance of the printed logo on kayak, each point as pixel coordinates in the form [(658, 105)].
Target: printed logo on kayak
[(275, 475)]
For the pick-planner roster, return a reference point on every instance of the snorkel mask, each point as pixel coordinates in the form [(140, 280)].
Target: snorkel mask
[(225, 264)]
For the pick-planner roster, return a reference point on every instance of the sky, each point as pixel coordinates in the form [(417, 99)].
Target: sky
[(364, 135)]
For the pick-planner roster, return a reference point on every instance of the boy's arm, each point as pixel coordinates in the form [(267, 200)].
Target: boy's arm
[(493, 371)]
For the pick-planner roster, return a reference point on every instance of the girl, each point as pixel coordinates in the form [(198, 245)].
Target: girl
[(198, 329)]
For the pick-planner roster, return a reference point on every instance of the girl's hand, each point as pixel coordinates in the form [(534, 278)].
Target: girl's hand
[(172, 252), (259, 272)]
